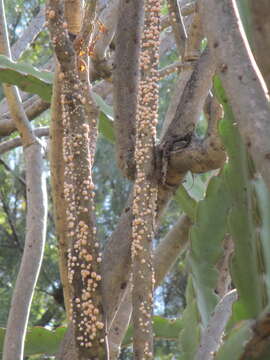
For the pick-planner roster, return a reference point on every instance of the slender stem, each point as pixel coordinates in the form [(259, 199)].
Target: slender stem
[(35, 219)]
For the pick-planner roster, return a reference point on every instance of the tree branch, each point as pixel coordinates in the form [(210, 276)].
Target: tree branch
[(192, 46), (241, 78), (84, 255), (35, 219), (165, 256), (35, 106), (145, 185), (116, 263), (181, 128), (29, 34), (178, 26), (128, 36), (13, 143)]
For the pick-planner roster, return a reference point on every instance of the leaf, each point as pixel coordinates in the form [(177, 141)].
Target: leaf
[(190, 336), (31, 80), (166, 329), (245, 266), (105, 108), (186, 202), (26, 77), (234, 344), (105, 125), (206, 237), (39, 341)]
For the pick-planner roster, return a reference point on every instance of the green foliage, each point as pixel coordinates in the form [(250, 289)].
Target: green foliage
[(39, 341), (190, 336), (238, 175), (236, 202), (26, 77), (31, 80), (206, 237), (234, 344), (186, 202), (166, 329)]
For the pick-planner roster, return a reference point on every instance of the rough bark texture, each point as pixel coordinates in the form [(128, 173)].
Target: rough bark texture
[(128, 36), (84, 256), (165, 256), (116, 264), (57, 178), (145, 185), (73, 15)]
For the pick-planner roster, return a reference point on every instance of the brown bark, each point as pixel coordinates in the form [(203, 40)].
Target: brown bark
[(128, 36), (165, 256), (116, 264), (145, 185), (84, 255), (57, 178), (73, 15)]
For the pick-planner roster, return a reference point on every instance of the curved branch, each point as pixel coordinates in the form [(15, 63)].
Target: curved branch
[(35, 219), (32, 255)]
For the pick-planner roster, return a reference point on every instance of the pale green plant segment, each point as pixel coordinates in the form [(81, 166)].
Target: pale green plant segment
[(238, 177)]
